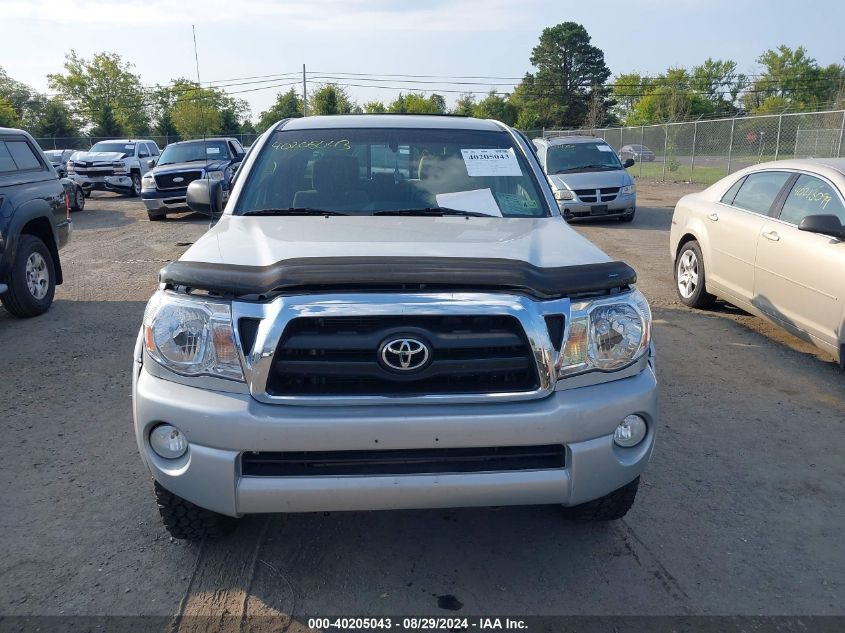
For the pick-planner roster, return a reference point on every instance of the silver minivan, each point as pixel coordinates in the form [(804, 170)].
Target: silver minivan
[(587, 177)]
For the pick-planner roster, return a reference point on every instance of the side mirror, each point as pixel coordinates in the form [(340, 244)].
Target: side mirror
[(151, 163), (205, 196), (629, 162), (823, 225)]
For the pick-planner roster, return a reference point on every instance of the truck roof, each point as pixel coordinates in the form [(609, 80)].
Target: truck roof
[(391, 121)]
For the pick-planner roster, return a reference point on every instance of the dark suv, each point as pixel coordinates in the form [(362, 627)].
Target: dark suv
[(34, 224)]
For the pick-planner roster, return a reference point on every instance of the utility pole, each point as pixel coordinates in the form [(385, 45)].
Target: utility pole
[(304, 93)]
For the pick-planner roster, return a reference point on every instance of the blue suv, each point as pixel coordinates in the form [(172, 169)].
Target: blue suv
[(163, 188)]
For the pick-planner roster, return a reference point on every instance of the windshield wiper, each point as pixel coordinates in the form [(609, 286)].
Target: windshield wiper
[(561, 171), (433, 212), (292, 211)]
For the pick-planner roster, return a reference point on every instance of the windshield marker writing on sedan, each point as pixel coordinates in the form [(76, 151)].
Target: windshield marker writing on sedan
[(814, 195)]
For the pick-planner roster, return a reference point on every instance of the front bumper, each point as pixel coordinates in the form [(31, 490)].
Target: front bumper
[(623, 205), (103, 183), (220, 426)]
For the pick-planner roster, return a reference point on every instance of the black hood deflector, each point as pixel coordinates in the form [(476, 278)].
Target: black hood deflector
[(320, 274)]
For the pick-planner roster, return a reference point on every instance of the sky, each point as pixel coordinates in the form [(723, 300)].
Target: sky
[(478, 38)]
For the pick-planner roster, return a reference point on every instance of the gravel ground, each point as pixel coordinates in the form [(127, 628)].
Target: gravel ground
[(740, 511)]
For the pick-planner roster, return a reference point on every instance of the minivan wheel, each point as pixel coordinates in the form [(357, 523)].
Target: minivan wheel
[(628, 218), (32, 280), (607, 508), (185, 520), (690, 277)]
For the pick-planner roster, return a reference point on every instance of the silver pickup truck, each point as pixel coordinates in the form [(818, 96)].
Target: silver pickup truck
[(391, 313)]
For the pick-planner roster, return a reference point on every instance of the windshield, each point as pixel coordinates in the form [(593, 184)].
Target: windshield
[(581, 157), (111, 146), (378, 170), (190, 152)]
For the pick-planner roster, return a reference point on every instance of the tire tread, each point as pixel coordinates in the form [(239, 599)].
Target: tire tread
[(187, 521)]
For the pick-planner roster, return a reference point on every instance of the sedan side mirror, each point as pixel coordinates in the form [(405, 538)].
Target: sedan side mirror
[(151, 163), (823, 224), (205, 196), (628, 163)]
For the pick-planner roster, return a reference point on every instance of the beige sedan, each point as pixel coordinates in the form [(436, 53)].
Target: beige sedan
[(769, 239)]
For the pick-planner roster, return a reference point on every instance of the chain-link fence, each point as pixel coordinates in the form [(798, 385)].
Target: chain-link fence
[(705, 151), (86, 142)]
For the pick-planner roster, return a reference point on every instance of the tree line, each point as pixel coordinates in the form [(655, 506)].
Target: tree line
[(570, 86)]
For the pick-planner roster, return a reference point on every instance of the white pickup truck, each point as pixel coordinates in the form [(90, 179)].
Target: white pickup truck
[(113, 165)]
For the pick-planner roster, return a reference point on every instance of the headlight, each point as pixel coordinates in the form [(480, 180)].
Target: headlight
[(148, 182), (192, 337), (628, 190), (119, 166), (606, 334), (215, 175), (69, 166), (564, 194)]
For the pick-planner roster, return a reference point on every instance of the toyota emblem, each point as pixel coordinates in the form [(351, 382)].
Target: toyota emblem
[(405, 354)]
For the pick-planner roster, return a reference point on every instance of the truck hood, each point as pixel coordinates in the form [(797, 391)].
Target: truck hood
[(195, 165), (263, 241), (89, 157), (591, 179)]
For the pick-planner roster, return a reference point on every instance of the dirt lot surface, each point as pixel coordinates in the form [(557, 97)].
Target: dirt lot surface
[(741, 511)]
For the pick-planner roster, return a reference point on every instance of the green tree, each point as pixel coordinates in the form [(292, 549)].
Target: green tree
[(107, 124), (194, 113), (106, 91), (793, 80), (418, 103), (374, 107), (568, 69), (465, 105), (8, 116), (330, 99), (288, 105), (15, 99), (55, 120), (718, 81), (494, 106), (627, 90), (670, 97), (164, 99)]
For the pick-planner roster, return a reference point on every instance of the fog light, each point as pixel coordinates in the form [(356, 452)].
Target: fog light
[(168, 441), (630, 431)]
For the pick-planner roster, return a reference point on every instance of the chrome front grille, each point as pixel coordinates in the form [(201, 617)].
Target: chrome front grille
[(321, 349), (596, 196)]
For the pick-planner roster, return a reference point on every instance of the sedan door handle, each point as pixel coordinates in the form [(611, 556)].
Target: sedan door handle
[(713, 217), (771, 235)]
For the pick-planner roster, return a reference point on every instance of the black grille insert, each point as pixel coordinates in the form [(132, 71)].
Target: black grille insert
[(166, 181), (339, 356), (403, 462)]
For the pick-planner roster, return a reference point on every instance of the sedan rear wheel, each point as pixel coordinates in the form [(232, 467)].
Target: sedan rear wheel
[(690, 277)]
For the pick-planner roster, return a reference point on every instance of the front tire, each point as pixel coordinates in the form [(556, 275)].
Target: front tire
[(608, 508), (690, 277), (79, 199), (628, 218), (156, 217), (32, 280), (187, 521), (136, 185)]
